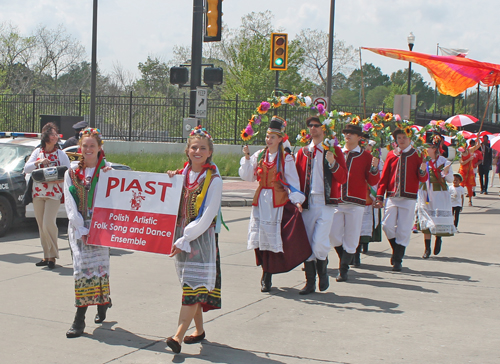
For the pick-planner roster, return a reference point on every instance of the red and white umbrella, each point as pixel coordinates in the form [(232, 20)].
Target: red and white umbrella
[(495, 143), (467, 134), (447, 140), (461, 120)]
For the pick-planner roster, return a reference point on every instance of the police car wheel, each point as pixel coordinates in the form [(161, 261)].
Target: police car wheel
[(6, 215)]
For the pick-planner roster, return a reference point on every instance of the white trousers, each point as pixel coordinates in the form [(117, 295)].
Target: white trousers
[(398, 219), (318, 221), (346, 226)]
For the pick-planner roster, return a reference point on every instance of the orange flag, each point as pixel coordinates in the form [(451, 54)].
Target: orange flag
[(453, 75)]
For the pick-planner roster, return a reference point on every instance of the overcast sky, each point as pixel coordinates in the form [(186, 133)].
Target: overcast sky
[(129, 31)]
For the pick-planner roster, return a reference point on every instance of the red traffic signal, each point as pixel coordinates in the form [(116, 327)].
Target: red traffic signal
[(213, 21), (279, 52)]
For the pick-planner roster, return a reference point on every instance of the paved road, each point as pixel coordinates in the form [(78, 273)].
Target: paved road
[(440, 310)]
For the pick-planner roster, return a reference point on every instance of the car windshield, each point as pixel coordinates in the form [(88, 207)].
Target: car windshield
[(12, 157)]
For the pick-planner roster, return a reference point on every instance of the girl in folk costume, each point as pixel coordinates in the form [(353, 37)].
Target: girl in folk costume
[(434, 210), (90, 263), (467, 167), (276, 229), (195, 248)]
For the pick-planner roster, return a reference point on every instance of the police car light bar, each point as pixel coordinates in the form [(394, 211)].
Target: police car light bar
[(15, 134)]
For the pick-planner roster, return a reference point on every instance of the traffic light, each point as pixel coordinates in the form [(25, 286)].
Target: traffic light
[(213, 75), (279, 52), (213, 21), (179, 75)]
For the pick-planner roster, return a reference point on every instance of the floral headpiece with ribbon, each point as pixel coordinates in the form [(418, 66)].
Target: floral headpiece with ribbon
[(200, 131), (90, 131)]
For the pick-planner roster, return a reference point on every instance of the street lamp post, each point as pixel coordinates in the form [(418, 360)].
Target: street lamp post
[(330, 57), (411, 42)]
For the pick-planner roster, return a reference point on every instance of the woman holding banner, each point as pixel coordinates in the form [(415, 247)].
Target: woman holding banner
[(195, 248), (90, 263)]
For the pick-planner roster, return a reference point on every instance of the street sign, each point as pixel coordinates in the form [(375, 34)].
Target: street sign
[(201, 102), (323, 100)]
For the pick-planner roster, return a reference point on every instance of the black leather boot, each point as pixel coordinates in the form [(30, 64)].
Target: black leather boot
[(310, 269), (427, 252), (339, 251), (101, 312), (357, 257), (437, 245), (393, 246), (398, 257), (321, 267), (265, 282), (78, 326), (344, 266)]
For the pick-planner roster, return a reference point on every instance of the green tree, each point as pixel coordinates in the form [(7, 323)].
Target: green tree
[(16, 55), (372, 77), (246, 52), (376, 96), (423, 90), (155, 77)]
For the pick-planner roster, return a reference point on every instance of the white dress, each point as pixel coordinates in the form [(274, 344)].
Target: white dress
[(264, 231), (434, 202), (196, 264)]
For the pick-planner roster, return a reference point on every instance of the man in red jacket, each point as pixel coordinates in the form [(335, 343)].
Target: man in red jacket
[(362, 169), (320, 173), (404, 169)]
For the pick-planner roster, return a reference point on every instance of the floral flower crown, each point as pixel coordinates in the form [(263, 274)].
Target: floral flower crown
[(91, 131), (200, 131), (274, 102)]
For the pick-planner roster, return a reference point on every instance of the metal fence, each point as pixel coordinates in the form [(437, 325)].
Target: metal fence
[(156, 119)]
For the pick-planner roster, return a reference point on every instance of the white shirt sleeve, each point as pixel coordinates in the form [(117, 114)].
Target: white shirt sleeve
[(449, 177), (74, 217), (63, 159), (195, 228), (292, 178), (248, 167), (30, 164)]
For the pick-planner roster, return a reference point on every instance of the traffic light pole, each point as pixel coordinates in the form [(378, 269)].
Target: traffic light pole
[(196, 54), (276, 85)]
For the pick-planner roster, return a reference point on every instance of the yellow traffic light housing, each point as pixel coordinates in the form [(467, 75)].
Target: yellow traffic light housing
[(213, 21), (279, 52)]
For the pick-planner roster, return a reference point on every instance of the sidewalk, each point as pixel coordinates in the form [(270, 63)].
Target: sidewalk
[(237, 193), (442, 310)]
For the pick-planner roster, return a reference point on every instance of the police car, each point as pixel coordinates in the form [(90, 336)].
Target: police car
[(15, 149)]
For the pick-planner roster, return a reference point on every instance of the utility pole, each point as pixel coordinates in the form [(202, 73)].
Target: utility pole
[(93, 67), (330, 56), (196, 54)]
